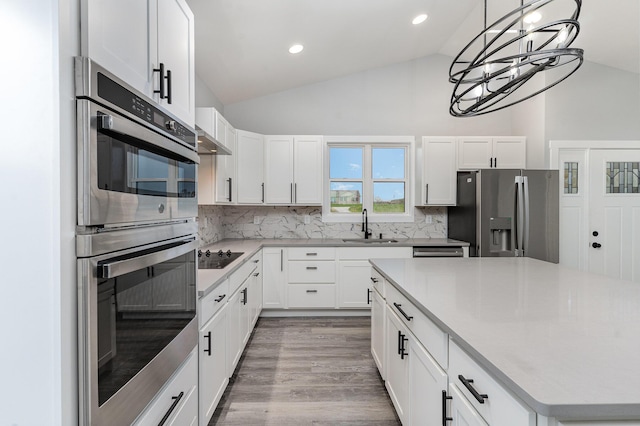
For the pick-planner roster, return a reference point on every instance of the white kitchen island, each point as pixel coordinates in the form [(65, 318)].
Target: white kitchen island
[(565, 343)]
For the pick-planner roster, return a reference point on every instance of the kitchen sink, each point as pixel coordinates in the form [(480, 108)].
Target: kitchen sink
[(369, 240)]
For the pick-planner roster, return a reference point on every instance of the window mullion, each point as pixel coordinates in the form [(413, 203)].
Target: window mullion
[(367, 180)]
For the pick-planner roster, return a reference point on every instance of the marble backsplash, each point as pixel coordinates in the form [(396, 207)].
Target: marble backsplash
[(218, 222)]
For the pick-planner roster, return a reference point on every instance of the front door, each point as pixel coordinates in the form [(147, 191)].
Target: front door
[(614, 213)]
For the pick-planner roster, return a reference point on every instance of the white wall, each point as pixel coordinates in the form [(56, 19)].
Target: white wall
[(30, 168), (528, 118), (205, 97), (409, 98)]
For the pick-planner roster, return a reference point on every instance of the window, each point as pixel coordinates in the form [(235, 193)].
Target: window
[(368, 174)]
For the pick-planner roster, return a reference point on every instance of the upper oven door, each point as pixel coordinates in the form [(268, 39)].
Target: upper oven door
[(128, 173)]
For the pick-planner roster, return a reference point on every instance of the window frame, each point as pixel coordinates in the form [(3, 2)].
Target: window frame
[(368, 143)]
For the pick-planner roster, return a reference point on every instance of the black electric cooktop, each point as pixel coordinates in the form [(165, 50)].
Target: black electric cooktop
[(216, 260)]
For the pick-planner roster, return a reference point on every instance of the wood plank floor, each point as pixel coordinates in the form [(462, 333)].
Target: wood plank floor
[(307, 372)]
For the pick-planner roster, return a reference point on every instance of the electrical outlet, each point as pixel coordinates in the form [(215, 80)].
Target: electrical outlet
[(307, 219), (428, 218)]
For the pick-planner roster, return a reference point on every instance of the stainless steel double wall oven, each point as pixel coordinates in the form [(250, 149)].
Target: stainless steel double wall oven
[(136, 246)]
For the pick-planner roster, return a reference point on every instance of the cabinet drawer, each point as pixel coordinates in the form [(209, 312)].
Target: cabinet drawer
[(426, 331), (184, 380), (378, 282), (237, 278), (312, 296), (212, 302), (312, 253), (312, 272), (500, 408)]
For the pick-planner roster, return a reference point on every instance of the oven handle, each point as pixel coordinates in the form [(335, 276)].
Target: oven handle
[(110, 122), (120, 267)]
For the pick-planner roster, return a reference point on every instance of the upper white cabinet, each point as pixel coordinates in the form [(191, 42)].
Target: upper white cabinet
[(151, 36), (504, 152), (438, 171), (226, 186), (250, 167), (293, 170)]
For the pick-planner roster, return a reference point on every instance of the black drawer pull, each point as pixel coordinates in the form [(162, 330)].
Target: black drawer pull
[(404, 314), (219, 299), (312, 268), (368, 296), (244, 299), (208, 348), (403, 340), (176, 400), (312, 291), (467, 384), (445, 418), (375, 280), (312, 254)]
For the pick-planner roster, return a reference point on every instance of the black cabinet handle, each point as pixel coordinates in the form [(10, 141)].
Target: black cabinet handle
[(445, 418), (263, 192), (219, 299), (495, 162), (375, 280), (490, 162), (161, 80), (169, 86), (244, 299), (256, 274), (208, 348), (404, 314), (468, 384), (312, 291), (312, 268), (403, 340), (176, 400), (230, 190), (368, 296), (426, 195), (399, 342), (596, 245), (312, 254)]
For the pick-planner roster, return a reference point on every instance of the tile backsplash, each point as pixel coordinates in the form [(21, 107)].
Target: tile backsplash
[(218, 222)]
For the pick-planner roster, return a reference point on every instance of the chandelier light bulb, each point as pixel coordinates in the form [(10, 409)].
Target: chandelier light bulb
[(532, 17)]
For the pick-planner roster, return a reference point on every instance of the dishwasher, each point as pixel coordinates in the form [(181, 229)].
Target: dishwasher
[(437, 251)]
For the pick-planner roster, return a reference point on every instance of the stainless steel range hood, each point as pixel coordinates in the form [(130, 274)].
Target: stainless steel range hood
[(208, 145)]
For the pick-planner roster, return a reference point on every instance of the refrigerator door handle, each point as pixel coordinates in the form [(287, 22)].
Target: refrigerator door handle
[(525, 242), (519, 215)]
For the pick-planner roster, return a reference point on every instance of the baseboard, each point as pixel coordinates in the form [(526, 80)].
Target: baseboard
[(270, 313)]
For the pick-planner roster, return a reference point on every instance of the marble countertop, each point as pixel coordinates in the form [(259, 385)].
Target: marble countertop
[(566, 342), (208, 279)]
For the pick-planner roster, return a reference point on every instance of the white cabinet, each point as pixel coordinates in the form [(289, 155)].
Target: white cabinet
[(439, 167), (254, 292), (427, 382), (378, 319), (213, 377), (226, 185), (183, 387), (250, 167), (311, 277), (461, 412), (504, 152), (293, 170), (355, 284), (397, 365), (134, 46), (273, 278), (235, 314)]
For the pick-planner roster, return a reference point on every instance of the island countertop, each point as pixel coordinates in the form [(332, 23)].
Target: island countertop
[(566, 342)]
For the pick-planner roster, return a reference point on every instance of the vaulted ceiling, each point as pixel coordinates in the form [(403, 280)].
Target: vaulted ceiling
[(242, 45)]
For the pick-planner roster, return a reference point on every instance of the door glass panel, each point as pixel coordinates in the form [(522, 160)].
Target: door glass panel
[(139, 314), (388, 197), (571, 178), (388, 163), (622, 178), (346, 197), (186, 180)]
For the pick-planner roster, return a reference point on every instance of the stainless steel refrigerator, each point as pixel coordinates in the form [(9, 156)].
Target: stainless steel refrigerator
[(507, 213)]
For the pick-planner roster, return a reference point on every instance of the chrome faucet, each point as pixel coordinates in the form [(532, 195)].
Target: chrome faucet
[(365, 224)]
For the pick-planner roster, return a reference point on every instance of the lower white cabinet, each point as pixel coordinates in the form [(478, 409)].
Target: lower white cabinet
[(427, 382), (274, 280), (461, 412), (178, 399), (378, 317), (213, 364), (397, 365), (355, 284)]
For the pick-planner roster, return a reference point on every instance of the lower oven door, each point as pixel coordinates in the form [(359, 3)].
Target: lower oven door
[(137, 324)]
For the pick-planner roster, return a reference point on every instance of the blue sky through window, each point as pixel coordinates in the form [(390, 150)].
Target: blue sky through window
[(345, 163)]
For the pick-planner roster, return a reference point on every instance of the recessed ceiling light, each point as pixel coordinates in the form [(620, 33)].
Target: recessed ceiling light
[(296, 48), (419, 19)]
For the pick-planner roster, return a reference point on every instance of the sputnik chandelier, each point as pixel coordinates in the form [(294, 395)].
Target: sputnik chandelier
[(491, 69)]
